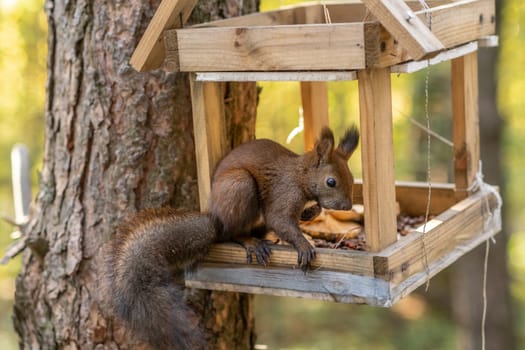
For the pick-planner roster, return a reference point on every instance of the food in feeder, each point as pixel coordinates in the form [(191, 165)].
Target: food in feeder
[(342, 229), (326, 228), (407, 224), (335, 224), (337, 229)]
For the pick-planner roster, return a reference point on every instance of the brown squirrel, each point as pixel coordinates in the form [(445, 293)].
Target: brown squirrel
[(258, 179)]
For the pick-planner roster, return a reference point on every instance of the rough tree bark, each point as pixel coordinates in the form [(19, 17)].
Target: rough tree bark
[(467, 277), (116, 141)]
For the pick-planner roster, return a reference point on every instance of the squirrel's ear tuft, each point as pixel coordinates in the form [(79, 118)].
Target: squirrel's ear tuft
[(349, 142), (325, 146)]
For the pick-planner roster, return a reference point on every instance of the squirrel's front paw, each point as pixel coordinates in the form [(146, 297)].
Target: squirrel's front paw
[(259, 247), (305, 255)]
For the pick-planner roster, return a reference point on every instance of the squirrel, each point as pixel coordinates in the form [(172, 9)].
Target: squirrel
[(257, 180)]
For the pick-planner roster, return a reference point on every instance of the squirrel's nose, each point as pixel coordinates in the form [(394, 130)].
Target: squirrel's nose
[(346, 205)]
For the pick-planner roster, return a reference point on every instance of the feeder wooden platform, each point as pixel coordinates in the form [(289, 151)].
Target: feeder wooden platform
[(378, 279), (364, 41)]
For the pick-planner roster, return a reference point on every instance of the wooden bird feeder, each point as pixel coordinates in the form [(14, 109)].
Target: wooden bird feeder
[(365, 41)]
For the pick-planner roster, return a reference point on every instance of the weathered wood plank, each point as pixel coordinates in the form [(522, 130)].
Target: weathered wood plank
[(444, 233), (328, 285), (412, 197), (314, 96), (171, 60), (150, 51), (445, 26), (397, 270), (284, 16), (209, 132), (464, 73), (381, 49), (357, 262), (281, 48), (305, 13), (318, 284), (375, 103), (310, 13), (461, 21), (413, 34), (408, 194), (409, 284), (278, 76), (488, 41), (447, 55)]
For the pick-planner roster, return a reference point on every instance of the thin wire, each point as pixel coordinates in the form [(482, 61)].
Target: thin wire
[(425, 129), (429, 179), (298, 129), (432, 133), (429, 161), (367, 14), (484, 314), (428, 14)]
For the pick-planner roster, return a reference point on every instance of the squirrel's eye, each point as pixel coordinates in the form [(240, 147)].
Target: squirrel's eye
[(331, 182)]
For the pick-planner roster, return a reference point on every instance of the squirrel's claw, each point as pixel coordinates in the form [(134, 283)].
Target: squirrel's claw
[(262, 252), (253, 246), (305, 257)]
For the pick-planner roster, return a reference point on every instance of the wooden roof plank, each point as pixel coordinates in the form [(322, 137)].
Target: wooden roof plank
[(275, 48), (461, 21), (475, 22), (404, 25), (171, 14), (347, 75), (414, 66)]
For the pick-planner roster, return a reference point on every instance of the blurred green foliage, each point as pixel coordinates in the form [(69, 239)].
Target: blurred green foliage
[(295, 323), (511, 77), (300, 324), (23, 49), (512, 103)]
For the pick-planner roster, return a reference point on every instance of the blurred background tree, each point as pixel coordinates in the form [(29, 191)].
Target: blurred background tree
[(421, 321)]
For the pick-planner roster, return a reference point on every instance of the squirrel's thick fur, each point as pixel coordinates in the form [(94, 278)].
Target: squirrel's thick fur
[(259, 179)]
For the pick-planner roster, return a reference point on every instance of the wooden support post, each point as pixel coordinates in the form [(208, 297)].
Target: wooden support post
[(314, 95), (209, 131), (375, 103), (465, 115)]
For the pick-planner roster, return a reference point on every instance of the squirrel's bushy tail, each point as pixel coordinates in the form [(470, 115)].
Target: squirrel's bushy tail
[(139, 275)]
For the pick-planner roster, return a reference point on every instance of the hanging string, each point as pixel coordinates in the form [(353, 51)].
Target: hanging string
[(494, 216), (429, 178), (484, 313), (298, 129), (432, 133), (493, 221), (429, 160), (427, 13), (367, 15)]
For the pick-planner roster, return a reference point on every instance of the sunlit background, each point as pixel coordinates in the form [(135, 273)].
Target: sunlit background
[(412, 324)]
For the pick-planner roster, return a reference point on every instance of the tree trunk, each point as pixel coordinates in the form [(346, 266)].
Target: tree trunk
[(116, 141), (468, 272)]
